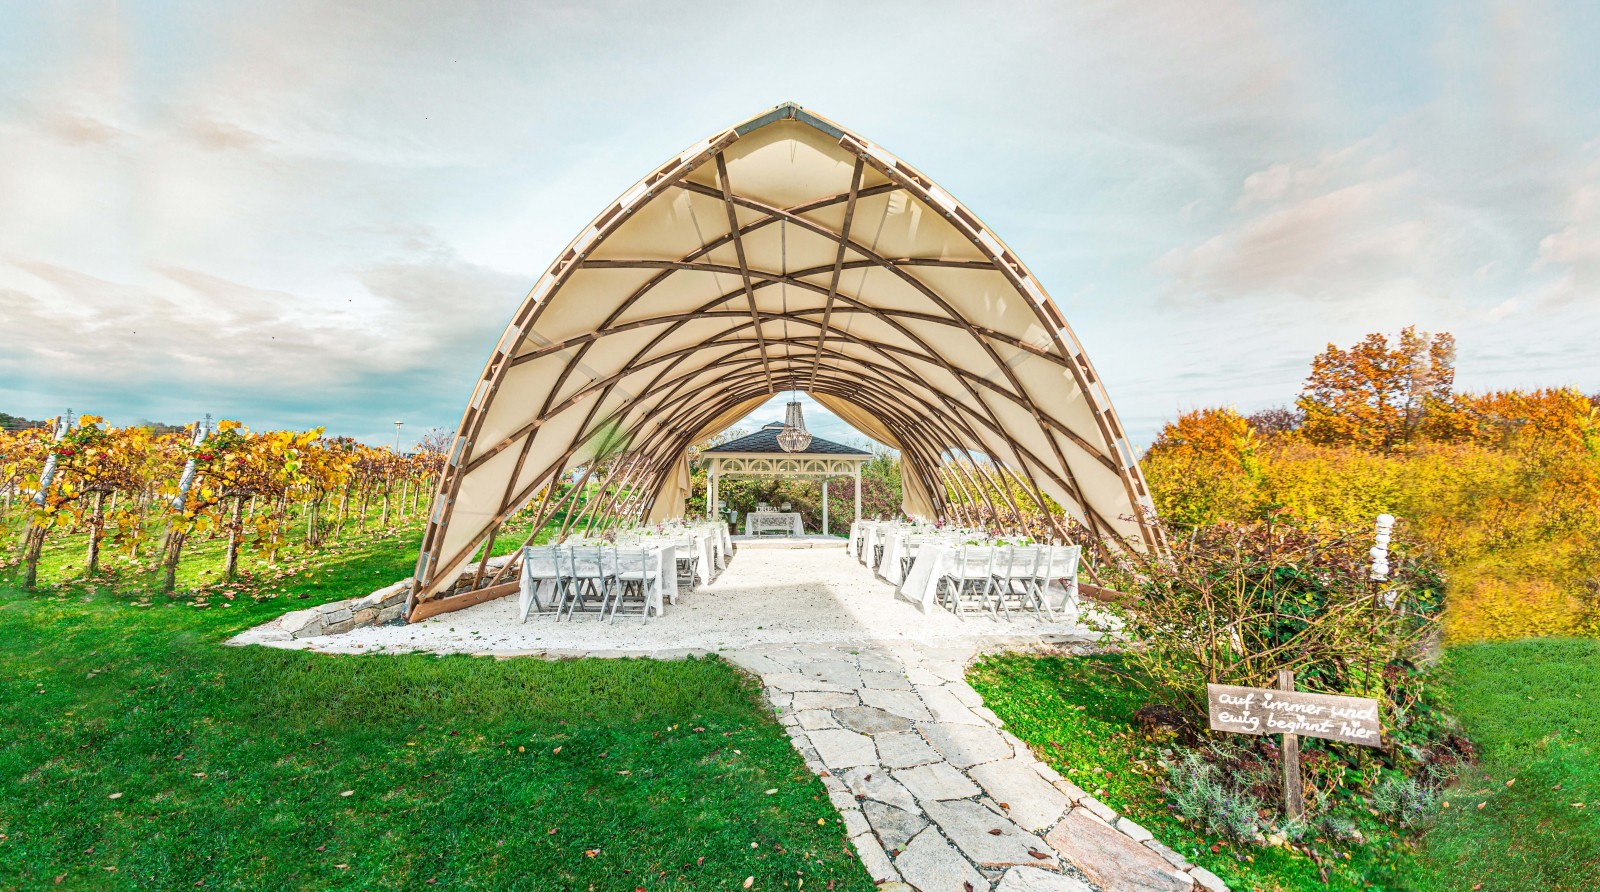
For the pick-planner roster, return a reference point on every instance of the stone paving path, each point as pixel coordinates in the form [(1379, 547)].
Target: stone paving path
[(934, 794)]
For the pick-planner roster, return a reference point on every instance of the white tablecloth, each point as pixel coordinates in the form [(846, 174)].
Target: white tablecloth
[(669, 577), (708, 552), (767, 520), (921, 585), (896, 543), (700, 544), (871, 536), (667, 589)]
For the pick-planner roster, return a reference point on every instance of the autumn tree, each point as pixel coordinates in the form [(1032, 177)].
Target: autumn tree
[(1382, 397), (1277, 420), (46, 500), (1207, 460), (99, 463), (1556, 415)]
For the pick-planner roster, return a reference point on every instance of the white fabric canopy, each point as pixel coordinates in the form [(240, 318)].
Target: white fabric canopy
[(783, 253)]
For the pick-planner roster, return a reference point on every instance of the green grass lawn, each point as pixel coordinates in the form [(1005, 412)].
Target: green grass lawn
[(137, 751), (1533, 708)]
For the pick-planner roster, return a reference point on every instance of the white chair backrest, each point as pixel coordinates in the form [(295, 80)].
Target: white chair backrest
[(645, 560), (1061, 562), (542, 561), (591, 561), (1018, 561), (974, 561)]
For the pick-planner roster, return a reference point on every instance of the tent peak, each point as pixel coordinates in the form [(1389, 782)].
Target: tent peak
[(789, 111)]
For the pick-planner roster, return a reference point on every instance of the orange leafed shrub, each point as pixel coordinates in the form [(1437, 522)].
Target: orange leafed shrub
[(1503, 487)]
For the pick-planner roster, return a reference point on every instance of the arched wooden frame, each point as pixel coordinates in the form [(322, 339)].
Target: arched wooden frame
[(662, 400)]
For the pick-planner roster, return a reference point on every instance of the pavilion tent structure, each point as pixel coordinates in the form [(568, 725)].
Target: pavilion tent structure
[(761, 455), (784, 253)]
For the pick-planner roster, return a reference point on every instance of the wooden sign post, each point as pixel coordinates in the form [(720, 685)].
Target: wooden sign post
[(1294, 796), (1293, 713)]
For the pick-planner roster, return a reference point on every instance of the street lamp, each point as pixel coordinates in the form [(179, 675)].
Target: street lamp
[(397, 436)]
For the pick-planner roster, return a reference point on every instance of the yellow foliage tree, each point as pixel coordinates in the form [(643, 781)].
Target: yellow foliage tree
[(1503, 487)]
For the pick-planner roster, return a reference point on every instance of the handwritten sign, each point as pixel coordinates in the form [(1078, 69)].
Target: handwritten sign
[(1268, 711)]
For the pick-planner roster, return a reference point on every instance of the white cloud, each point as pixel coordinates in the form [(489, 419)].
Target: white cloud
[(278, 198)]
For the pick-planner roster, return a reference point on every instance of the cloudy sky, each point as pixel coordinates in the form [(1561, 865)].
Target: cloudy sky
[(324, 213)]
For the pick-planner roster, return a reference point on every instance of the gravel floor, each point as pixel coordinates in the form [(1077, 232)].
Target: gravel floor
[(765, 596)]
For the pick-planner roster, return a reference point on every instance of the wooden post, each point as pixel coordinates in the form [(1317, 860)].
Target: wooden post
[(1294, 804), (713, 491), (825, 530), (858, 492)]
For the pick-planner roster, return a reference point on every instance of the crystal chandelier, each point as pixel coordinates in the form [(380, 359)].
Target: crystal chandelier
[(793, 437)]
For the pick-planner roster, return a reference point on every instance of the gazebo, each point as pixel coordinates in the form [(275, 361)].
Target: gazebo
[(761, 455), (783, 253)]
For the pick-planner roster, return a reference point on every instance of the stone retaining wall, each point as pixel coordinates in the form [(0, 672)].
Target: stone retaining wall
[(379, 608)]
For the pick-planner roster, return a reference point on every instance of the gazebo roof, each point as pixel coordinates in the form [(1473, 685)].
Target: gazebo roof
[(766, 441)]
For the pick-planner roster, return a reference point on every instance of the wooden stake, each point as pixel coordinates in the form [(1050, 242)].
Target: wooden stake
[(1294, 803)]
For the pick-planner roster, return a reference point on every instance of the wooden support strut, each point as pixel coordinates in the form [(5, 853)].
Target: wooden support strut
[(744, 266), (838, 264)]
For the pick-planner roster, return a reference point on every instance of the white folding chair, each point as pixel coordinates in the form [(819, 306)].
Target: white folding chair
[(1057, 562), (968, 576), (688, 560), (541, 569), (638, 581), (1016, 571), (591, 572)]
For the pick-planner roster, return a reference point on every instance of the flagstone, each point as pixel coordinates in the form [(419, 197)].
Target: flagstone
[(895, 826), (905, 703), (814, 719), (973, 830), (795, 682), (905, 749), (879, 866), (841, 749), (936, 795), (1111, 860), (938, 780), (944, 706), (871, 720), (1030, 800), (876, 783), (1032, 879), (930, 863), (891, 681), (823, 700), (964, 692), (966, 745)]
